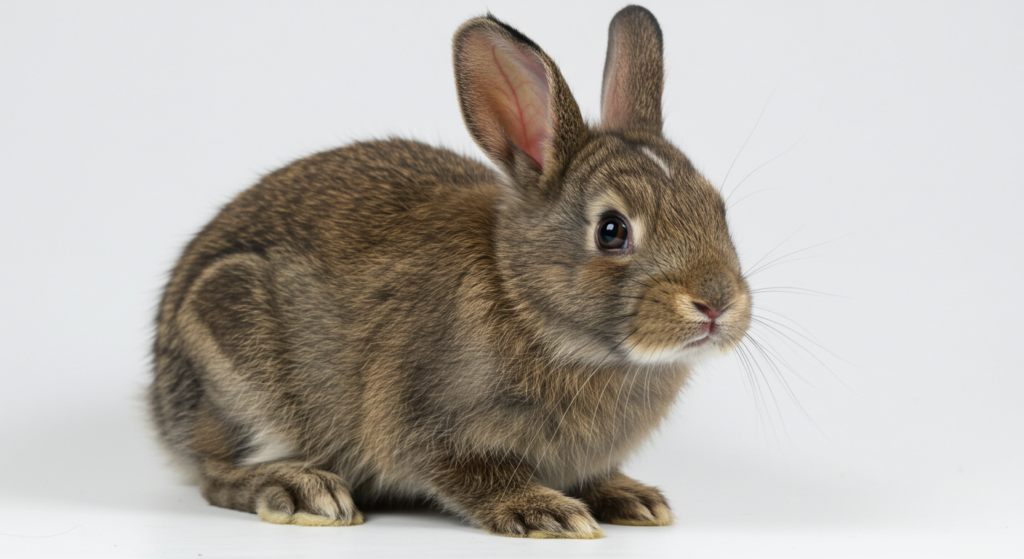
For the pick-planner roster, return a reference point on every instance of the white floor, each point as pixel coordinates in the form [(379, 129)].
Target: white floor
[(886, 164), (81, 482)]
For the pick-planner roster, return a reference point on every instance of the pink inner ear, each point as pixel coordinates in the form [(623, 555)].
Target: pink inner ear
[(614, 112), (512, 84), (521, 100)]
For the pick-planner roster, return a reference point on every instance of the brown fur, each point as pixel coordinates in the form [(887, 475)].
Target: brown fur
[(390, 320)]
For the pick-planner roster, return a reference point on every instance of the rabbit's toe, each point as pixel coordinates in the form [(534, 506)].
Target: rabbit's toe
[(542, 514), (623, 500), (307, 497)]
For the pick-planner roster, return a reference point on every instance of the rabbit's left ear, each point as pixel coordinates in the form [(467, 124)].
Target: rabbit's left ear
[(634, 73), (514, 100)]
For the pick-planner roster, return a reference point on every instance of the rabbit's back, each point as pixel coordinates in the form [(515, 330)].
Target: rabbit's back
[(347, 202)]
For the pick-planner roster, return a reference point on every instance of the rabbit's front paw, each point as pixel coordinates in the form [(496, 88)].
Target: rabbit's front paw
[(623, 500), (307, 497), (541, 513), (286, 492)]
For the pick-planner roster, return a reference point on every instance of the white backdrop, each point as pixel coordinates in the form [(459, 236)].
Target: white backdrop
[(884, 169)]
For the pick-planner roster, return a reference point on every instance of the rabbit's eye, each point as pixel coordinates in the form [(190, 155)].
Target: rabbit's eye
[(613, 233)]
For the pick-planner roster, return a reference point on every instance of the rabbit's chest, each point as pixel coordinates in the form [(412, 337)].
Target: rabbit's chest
[(602, 423)]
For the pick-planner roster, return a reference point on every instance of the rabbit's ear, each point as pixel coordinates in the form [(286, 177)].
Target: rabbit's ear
[(514, 101), (634, 73)]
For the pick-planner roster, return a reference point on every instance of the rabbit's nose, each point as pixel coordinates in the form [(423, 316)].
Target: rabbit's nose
[(711, 313)]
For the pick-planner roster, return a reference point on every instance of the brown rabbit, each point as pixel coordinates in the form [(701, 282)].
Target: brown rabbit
[(392, 321)]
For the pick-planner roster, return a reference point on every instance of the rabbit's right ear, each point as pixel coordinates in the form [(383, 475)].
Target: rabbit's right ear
[(514, 101), (634, 73)]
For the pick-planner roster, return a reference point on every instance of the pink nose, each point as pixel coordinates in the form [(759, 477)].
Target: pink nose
[(710, 312)]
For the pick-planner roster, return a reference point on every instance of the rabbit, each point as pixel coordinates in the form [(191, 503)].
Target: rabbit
[(390, 321)]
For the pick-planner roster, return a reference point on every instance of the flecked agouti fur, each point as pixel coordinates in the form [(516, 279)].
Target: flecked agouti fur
[(392, 321)]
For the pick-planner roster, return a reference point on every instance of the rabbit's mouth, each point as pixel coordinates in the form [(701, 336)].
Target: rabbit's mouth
[(702, 339), (651, 354), (706, 330)]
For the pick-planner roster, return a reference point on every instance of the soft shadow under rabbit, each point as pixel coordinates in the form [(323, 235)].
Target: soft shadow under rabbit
[(391, 320)]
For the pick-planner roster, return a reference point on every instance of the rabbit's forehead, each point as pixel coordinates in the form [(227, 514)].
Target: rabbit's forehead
[(655, 185)]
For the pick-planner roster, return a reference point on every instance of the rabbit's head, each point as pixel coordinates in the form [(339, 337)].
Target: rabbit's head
[(607, 237)]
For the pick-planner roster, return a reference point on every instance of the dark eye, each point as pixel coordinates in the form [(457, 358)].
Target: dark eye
[(612, 233)]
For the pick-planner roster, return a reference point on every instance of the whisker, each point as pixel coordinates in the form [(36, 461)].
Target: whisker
[(784, 317), (593, 419), (775, 261), (566, 412), (756, 385), (744, 179), (615, 407), (773, 264), (797, 291), (637, 298), (778, 373), (742, 357), (786, 338), (763, 319), (780, 357), (776, 247), (751, 134), (658, 286), (734, 204), (769, 355), (767, 384)]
